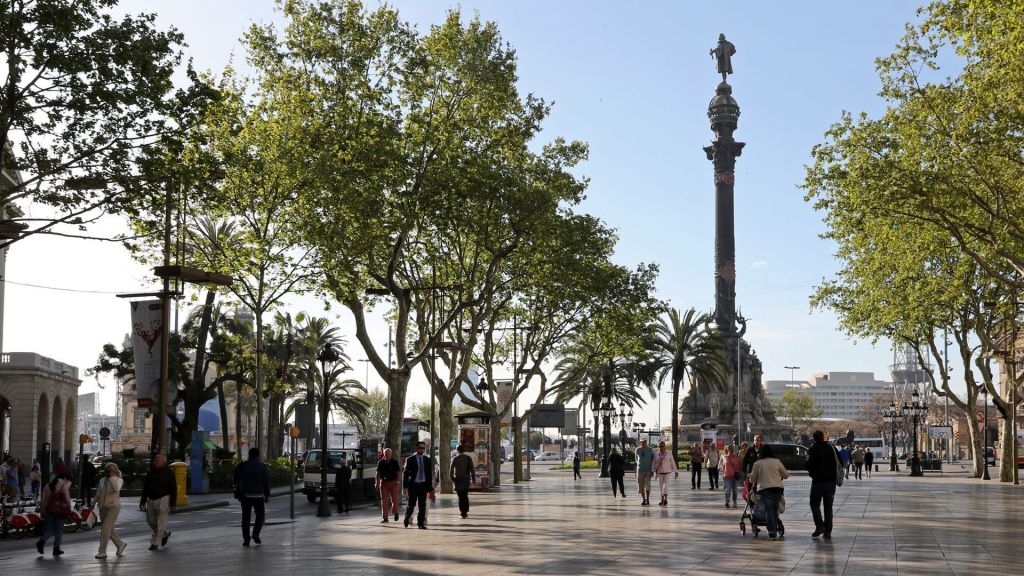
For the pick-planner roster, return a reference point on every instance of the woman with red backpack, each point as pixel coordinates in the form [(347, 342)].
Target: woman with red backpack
[(55, 506)]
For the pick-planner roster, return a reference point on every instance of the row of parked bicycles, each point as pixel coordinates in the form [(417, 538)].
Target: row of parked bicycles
[(20, 517)]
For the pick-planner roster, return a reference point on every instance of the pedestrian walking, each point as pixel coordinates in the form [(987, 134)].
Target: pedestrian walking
[(343, 487), (388, 470), (644, 470), (463, 474), (252, 488), (712, 459), (36, 477), (753, 454), (419, 483), (616, 471), (823, 469), (576, 467), (767, 476), (664, 465), (869, 461), (732, 471), (844, 459), (159, 499), (88, 479), (696, 459), (108, 502), (55, 506), (858, 462), (11, 480)]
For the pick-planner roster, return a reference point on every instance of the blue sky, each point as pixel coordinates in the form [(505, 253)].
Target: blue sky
[(633, 79)]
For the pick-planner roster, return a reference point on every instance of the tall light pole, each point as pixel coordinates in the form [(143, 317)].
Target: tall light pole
[(892, 416), (328, 355), (792, 379), (916, 410)]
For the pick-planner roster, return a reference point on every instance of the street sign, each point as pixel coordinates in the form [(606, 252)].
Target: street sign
[(980, 414), (548, 416), (84, 439), (294, 432), (104, 433)]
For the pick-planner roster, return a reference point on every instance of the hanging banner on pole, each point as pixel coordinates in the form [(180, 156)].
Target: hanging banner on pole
[(503, 391), (146, 330)]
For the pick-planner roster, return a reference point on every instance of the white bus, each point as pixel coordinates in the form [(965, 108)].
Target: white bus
[(879, 449)]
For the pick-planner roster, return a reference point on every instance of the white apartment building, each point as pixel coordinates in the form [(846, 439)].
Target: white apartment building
[(840, 395)]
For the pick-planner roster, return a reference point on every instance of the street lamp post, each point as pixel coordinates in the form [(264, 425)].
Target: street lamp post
[(792, 378), (892, 417), (328, 355), (916, 410), (605, 412)]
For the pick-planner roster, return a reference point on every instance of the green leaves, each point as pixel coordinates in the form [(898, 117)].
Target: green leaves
[(83, 94)]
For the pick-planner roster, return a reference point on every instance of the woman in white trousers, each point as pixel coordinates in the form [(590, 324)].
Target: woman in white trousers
[(108, 501)]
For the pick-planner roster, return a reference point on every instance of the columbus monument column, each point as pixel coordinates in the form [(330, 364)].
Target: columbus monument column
[(738, 407)]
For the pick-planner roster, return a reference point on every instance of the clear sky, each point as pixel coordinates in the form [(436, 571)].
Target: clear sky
[(633, 79)]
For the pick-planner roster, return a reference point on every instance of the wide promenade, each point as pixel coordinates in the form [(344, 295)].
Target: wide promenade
[(552, 525)]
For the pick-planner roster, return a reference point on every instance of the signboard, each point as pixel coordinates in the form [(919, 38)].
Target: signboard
[(548, 416), (571, 426), (940, 432), (980, 414), (503, 390), (147, 326), (303, 416)]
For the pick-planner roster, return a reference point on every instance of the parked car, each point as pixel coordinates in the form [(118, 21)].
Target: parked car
[(547, 456), (792, 456)]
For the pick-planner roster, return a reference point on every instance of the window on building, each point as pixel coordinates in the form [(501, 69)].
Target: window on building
[(139, 420)]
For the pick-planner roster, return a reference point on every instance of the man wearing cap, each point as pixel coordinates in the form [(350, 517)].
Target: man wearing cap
[(159, 495)]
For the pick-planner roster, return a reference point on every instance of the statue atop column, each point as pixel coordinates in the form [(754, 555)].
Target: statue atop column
[(723, 54)]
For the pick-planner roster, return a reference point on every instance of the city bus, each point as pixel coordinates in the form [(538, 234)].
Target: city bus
[(414, 431), (879, 448)]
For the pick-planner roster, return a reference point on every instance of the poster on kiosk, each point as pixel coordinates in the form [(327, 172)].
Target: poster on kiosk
[(475, 435)]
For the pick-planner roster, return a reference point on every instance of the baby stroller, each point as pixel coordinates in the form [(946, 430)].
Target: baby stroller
[(754, 512)]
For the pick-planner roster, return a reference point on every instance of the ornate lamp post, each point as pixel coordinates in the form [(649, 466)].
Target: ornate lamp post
[(915, 410), (605, 412), (328, 355), (892, 416)]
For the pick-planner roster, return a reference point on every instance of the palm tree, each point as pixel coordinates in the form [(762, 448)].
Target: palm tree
[(684, 344), (583, 375), (343, 395)]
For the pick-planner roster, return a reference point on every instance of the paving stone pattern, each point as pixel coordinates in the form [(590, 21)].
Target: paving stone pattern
[(885, 525)]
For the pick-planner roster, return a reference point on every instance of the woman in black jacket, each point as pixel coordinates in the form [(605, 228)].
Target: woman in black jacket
[(616, 470)]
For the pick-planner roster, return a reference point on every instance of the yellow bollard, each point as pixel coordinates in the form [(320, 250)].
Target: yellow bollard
[(180, 470)]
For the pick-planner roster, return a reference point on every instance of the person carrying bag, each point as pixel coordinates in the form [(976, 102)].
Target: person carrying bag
[(108, 502), (56, 505)]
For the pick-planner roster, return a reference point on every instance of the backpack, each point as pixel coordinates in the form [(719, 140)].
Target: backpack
[(840, 474)]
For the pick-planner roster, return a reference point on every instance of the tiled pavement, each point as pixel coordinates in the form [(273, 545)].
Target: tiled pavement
[(552, 525)]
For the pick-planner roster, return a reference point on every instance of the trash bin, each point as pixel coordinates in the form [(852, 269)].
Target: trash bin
[(180, 470)]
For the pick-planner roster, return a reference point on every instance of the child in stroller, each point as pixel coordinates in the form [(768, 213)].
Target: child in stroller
[(754, 511)]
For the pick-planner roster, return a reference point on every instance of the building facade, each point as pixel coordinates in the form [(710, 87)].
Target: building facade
[(38, 407), (840, 395)]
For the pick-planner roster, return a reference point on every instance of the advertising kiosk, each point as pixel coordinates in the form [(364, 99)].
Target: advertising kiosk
[(475, 436)]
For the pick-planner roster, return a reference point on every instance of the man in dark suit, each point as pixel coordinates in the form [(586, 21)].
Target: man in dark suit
[(419, 481)]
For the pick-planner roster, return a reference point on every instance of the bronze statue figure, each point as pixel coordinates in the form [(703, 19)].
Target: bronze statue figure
[(723, 53)]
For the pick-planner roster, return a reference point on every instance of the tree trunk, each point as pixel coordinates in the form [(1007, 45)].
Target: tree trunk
[(397, 384), (261, 438), (238, 420), (517, 449), (446, 431), (222, 404), (675, 420), (496, 450), (1007, 459), (275, 432)]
